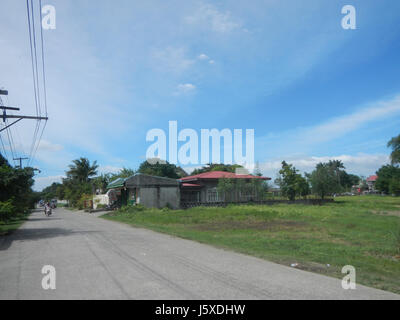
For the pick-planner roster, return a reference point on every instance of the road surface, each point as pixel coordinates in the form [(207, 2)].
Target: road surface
[(99, 259)]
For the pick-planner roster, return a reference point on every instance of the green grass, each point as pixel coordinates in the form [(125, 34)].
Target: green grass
[(13, 224), (359, 231)]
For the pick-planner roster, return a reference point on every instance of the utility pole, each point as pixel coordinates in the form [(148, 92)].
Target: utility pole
[(18, 117), (20, 161)]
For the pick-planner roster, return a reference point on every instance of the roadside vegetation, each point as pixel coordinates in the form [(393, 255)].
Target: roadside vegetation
[(12, 223), (363, 231), (16, 195)]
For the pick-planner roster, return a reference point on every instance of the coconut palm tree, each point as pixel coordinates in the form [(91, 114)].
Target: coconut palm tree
[(394, 143), (81, 170)]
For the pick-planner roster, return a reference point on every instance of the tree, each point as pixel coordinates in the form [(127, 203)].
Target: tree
[(101, 182), (159, 169), (388, 179), (394, 143), (349, 180), (51, 192), (242, 190), (217, 167), (394, 186), (291, 182), (324, 179), (123, 173), (16, 187), (74, 190), (79, 180), (81, 170)]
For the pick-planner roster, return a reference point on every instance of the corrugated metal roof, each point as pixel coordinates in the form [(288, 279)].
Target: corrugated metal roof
[(221, 175), (118, 183), (372, 178)]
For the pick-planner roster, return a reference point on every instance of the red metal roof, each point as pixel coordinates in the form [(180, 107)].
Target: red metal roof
[(372, 178), (221, 175)]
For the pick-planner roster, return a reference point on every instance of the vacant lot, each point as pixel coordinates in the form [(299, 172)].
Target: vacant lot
[(360, 231)]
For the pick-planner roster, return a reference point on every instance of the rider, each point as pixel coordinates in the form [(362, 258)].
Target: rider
[(47, 208)]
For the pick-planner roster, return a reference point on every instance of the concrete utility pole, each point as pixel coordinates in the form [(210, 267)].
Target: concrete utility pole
[(19, 118), (20, 161)]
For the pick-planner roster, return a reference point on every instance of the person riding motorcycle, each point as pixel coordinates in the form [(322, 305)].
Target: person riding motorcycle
[(47, 209)]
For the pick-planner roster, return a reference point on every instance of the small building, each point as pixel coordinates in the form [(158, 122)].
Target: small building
[(149, 191), (371, 180), (202, 188)]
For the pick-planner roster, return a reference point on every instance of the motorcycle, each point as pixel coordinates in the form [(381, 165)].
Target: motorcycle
[(47, 211)]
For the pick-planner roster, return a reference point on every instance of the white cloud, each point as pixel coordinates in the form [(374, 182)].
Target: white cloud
[(203, 57), (343, 125), (301, 139), (209, 16), (185, 88)]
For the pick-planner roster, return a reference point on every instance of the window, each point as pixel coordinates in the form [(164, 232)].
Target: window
[(212, 195)]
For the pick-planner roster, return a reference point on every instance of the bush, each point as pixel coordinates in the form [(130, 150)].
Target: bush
[(132, 208), (7, 210), (81, 202)]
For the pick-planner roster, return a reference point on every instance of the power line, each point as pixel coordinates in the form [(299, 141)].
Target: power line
[(43, 64), (34, 70), (19, 118)]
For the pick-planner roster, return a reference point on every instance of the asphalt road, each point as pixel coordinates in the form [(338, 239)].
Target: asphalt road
[(99, 259)]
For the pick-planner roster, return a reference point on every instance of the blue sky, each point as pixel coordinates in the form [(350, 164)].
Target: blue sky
[(311, 90)]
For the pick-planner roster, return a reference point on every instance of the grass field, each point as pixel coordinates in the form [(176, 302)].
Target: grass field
[(362, 231), (9, 226)]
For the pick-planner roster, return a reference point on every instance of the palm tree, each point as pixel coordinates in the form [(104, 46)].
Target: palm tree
[(81, 170), (394, 143)]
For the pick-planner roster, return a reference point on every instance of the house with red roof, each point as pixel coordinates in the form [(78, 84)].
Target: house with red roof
[(371, 180), (203, 187)]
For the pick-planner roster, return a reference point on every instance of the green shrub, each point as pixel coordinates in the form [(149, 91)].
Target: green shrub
[(7, 210), (132, 208), (81, 202)]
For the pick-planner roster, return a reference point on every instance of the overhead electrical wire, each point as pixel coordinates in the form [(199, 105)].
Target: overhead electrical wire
[(35, 74), (44, 83), (32, 42), (40, 104)]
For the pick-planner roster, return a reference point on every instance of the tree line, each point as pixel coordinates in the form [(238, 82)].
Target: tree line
[(331, 178), (16, 194), (82, 179)]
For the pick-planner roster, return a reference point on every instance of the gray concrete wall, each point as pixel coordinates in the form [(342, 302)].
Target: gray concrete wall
[(159, 197)]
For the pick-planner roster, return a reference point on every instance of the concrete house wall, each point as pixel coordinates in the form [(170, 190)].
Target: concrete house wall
[(153, 192)]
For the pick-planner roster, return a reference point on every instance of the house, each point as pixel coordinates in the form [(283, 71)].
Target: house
[(149, 191), (371, 183), (202, 188)]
